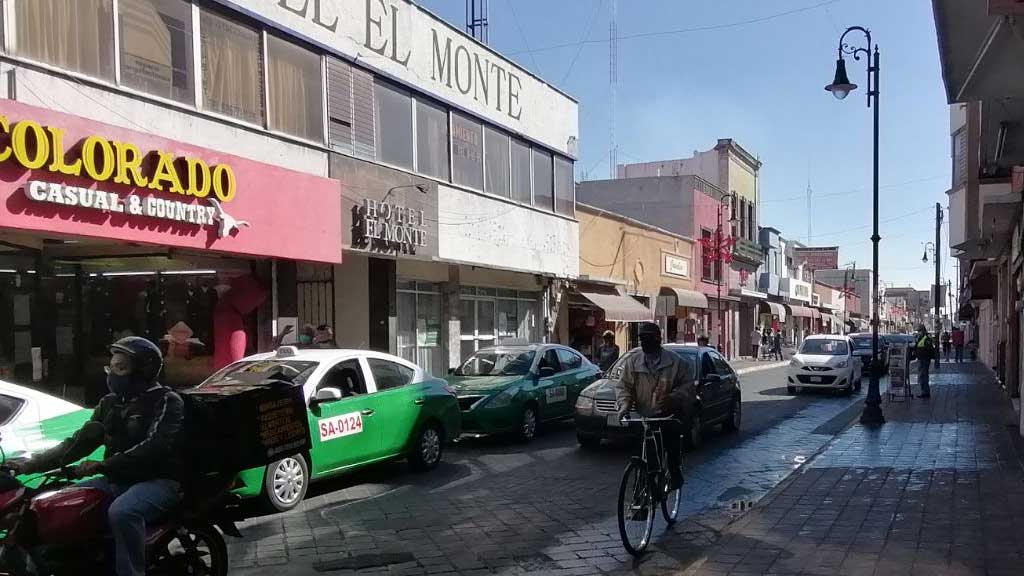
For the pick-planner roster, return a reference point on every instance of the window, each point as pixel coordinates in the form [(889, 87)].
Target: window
[(497, 159), (347, 377), (9, 408), (707, 365), (721, 366), (565, 187), (75, 35), (388, 375), (419, 326), (543, 194), (392, 115), (710, 266), (569, 359), (296, 91), (232, 68), (156, 47), (688, 356), (467, 152), (550, 360), (431, 139), (522, 185)]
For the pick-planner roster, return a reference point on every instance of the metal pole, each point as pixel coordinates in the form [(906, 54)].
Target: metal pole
[(938, 279), (873, 404), (717, 263)]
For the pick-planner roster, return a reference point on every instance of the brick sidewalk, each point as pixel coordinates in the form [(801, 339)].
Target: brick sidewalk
[(939, 489)]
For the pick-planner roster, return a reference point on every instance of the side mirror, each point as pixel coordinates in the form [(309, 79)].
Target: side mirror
[(327, 394), (546, 372)]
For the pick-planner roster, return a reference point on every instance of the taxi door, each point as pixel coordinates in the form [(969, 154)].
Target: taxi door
[(346, 431)]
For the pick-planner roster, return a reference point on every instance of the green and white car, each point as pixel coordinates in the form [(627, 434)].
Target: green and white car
[(364, 407)]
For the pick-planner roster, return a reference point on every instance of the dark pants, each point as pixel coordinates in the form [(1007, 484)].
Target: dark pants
[(960, 353), (922, 377), (754, 355), (946, 346), (671, 434)]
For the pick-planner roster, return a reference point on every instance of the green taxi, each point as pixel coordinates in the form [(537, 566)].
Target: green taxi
[(364, 407), (512, 389)]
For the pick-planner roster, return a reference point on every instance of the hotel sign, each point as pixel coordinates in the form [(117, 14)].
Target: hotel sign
[(676, 266), (405, 41), (391, 227)]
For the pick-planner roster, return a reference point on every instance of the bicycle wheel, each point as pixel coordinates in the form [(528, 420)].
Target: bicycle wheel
[(670, 503), (636, 508)]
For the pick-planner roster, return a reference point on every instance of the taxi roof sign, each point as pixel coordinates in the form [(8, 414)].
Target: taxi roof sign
[(287, 351)]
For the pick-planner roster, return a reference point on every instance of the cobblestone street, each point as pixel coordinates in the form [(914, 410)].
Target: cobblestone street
[(546, 507)]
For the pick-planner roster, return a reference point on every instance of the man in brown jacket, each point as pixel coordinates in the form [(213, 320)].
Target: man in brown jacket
[(657, 383)]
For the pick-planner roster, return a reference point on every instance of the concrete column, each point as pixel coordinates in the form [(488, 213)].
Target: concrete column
[(451, 307)]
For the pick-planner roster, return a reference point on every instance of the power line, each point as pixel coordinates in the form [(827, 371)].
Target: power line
[(522, 34), (683, 30), (579, 48)]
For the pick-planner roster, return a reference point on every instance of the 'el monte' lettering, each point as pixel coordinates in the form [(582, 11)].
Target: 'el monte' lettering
[(489, 81)]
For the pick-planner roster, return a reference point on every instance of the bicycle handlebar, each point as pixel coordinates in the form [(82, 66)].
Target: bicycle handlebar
[(645, 419)]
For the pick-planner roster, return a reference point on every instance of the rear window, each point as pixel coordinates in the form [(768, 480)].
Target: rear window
[(9, 408), (257, 372), (862, 342)]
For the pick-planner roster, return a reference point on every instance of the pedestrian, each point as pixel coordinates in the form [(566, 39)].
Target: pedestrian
[(925, 352), (766, 342), (947, 344), (702, 340), (607, 352), (755, 343), (777, 345), (958, 343)]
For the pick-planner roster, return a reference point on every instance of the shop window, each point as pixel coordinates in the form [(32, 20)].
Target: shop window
[(497, 162), (295, 93), (232, 68), (392, 116), (543, 193), (467, 152), (388, 375), (522, 185), (431, 139), (565, 187), (419, 326), (156, 47), (74, 35)]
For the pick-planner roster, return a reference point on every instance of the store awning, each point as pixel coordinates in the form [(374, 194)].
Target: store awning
[(777, 309), (618, 307), (687, 298), (799, 311), (815, 313)]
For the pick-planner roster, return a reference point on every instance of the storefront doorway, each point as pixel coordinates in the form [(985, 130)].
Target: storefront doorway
[(489, 316)]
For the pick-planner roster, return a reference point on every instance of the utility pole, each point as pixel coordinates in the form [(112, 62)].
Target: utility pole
[(938, 275)]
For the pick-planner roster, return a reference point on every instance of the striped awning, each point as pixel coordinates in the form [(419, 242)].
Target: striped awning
[(776, 309), (800, 311), (619, 307)]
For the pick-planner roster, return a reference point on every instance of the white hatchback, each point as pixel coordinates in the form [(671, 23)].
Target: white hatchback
[(824, 361)]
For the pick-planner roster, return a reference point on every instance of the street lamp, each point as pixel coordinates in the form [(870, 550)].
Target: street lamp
[(840, 88), (726, 201), (927, 246)]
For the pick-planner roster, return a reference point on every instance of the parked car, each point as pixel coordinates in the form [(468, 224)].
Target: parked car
[(512, 389), (21, 411), (364, 407), (717, 384), (825, 361), (862, 349)]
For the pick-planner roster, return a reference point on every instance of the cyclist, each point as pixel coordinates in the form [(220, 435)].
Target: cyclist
[(658, 384)]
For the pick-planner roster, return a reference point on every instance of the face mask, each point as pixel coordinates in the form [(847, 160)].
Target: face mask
[(650, 345), (305, 339), (120, 385)]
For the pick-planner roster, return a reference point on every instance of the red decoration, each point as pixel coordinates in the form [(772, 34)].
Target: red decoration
[(744, 276), (720, 253)]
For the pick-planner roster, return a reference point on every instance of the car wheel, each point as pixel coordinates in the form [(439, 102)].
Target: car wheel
[(588, 442), (791, 390), (735, 416), (427, 450), (285, 483), (695, 435), (528, 424)]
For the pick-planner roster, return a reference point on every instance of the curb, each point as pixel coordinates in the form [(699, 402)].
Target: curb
[(751, 369)]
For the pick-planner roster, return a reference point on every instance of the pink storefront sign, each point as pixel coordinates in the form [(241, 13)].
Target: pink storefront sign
[(66, 176)]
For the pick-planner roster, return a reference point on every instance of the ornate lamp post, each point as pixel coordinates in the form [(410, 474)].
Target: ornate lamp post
[(719, 251), (840, 88)]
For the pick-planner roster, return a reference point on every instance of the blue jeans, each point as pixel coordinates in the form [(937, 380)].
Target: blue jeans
[(922, 377), (134, 505)]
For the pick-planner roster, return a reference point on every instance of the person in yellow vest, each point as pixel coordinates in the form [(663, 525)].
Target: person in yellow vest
[(925, 352)]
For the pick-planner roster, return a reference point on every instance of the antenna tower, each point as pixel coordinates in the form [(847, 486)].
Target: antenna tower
[(476, 19)]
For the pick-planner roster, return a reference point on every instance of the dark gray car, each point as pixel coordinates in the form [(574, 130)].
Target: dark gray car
[(718, 390), (862, 350)]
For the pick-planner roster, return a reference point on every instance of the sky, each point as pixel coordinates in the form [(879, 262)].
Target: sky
[(755, 71)]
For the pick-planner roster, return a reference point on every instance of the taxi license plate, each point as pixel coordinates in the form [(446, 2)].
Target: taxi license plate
[(614, 422), (815, 378)]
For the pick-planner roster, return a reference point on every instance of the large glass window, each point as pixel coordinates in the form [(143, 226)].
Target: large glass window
[(543, 193), (419, 326), (488, 317), (76, 35), (467, 152), (431, 140), (521, 182), (232, 68), (156, 47), (564, 187), (496, 157), (392, 114), (296, 90)]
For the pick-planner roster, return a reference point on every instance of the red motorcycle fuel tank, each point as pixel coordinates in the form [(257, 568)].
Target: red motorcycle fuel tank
[(73, 515)]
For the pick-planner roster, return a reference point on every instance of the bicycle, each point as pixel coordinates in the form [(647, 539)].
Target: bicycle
[(645, 484)]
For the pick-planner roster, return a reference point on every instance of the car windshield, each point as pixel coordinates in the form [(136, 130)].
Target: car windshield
[(498, 363), (261, 372), (824, 347), (862, 342)]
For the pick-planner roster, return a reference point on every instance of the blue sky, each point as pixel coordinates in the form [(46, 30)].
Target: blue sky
[(762, 84)]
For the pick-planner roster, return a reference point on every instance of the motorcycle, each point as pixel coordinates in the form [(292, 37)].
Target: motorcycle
[(59, 528)]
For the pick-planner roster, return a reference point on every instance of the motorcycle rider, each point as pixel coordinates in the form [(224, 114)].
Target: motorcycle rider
[(657, 383), (143, 464)]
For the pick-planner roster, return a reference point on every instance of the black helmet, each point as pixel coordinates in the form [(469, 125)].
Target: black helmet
[(649, 328), (146, 357)]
